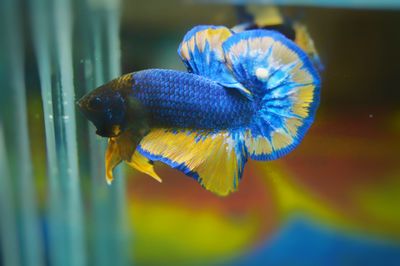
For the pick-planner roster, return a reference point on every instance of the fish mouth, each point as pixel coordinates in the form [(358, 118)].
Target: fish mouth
[(83, 108), (82, 103)]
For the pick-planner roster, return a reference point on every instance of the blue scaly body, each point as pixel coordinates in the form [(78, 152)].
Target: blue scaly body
[(183, 100)]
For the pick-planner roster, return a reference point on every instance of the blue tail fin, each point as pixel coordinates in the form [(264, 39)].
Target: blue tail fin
[(285, 88)]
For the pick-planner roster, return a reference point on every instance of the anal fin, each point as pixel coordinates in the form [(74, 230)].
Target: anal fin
[(215, 159)]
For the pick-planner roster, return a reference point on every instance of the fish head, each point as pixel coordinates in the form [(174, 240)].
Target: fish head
[(106, 108)]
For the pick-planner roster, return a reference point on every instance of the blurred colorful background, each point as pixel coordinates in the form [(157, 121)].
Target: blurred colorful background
[(335, 200)]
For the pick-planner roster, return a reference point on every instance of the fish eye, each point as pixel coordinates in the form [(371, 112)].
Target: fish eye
[(95, 103)]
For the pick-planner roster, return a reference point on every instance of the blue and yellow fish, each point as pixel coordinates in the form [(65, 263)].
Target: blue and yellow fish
[(246, 94)]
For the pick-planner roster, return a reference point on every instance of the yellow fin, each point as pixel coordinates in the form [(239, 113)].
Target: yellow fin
[(142, 164), (304, 40), (113, 158), (118, 149), (215, 160), (266, 16)]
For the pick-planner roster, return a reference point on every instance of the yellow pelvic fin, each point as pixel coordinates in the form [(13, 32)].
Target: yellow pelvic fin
[(119, 148), (113, 158)]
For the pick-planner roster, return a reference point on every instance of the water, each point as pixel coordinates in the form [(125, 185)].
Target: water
[(338, 192)]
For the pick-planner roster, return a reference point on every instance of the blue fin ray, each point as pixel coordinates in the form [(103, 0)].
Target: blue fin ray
[(285, 86)]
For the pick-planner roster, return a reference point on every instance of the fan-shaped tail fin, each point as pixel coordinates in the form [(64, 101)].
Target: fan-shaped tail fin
[(284, 85)]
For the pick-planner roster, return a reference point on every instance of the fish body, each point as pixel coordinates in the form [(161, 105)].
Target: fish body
[(185, 100), (251, 94)]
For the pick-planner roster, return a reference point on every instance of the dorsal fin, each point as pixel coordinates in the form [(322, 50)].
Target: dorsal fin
[(201, 52)]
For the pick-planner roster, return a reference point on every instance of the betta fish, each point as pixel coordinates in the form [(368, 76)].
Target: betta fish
[(247, 94)]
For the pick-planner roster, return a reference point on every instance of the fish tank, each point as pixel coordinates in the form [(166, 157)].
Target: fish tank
[(332, 200)]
